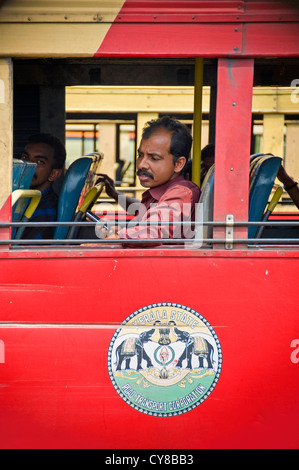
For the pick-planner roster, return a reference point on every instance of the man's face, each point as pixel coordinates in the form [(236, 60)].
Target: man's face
[(154, 162), (206, 165), (43, 155)]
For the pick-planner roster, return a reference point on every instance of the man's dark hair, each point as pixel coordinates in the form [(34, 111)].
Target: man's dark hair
[(208, 151), (55, 143), (181, 139)]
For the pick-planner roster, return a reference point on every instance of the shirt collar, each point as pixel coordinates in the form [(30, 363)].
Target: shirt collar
[(158, 191), (47, 190)]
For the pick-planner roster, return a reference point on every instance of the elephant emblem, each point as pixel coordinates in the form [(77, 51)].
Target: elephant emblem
[(131, 347), (195, 346), (164, 359)]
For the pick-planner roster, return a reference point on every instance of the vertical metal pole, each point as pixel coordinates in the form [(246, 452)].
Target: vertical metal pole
[(197, 118), (6, 147), (232, 145)]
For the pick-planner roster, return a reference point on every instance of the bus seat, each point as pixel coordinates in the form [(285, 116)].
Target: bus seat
[(255, 156), (271, 206), (207, 200), (17, 171), (79, 179), (22, 174), (70, 193), (92, 176), (21, 180), (89, 200), (263, 172), (24, 202)]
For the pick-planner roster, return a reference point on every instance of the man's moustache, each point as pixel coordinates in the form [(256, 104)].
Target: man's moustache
[(144, 173)]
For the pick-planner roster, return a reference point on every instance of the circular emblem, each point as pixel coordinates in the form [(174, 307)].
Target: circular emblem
[(165, 359)]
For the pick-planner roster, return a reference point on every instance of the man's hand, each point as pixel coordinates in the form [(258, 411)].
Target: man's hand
[(109, 185), (104, 230), (130, 204)]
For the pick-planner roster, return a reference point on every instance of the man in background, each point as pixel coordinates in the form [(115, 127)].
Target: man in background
[(207, 160), (49, 155)]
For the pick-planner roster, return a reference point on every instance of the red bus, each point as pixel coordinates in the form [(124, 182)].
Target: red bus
[(187, 346)]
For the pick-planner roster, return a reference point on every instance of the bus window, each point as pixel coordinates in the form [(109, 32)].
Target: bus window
[(116, 135), (127, 151), (80, 139)]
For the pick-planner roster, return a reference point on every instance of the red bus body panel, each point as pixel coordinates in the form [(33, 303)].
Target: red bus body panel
[(60, 308), (59, 315), (203, 29)]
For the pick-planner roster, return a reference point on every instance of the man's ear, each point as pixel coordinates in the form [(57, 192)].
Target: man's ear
[(55, 173), (179, 164)]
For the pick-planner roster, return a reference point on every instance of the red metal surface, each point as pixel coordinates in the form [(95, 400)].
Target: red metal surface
[(5, 216), (207, 11), (232, 145), (203, 29), (56, 391), (281, 40), (60, 308), (284, 216), (170, 40), (201, 40)]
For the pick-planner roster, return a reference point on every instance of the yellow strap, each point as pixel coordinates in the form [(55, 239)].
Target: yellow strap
[(91, 197), (275, 198)]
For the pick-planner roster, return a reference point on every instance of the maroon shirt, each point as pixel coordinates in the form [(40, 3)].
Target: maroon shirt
[(174, 201)]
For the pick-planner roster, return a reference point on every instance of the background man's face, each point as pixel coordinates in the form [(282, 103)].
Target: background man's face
[(43, 155)]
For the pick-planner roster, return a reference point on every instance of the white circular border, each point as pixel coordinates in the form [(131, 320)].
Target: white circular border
[(217, 374)]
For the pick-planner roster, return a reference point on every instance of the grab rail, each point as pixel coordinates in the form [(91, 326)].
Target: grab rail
[(165, 241)]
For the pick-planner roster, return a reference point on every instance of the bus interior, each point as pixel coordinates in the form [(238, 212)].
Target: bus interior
[(36, 82)]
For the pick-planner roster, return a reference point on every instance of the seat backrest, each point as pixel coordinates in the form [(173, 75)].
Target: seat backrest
[(85, 209), (70, 193), (26, 202), (92, 176), (22, 173), (207, 199), (255, 156), (17, 171), (263, 171)]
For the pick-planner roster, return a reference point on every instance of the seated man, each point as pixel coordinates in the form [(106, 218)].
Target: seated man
[(164, 149), (49, 154), (207, 160), (290, 185)]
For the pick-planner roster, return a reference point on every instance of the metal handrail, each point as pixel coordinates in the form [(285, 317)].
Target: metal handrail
[(152, 241)]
